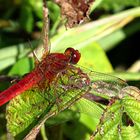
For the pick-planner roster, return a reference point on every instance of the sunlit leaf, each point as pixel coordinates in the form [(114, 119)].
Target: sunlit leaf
[(94, 58), (120, 121), (118, 4), (18, 68), (33, 107)]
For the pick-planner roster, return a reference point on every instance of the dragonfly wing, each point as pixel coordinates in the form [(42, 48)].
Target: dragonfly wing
[(70, 87), (131, 91), (105, 84)]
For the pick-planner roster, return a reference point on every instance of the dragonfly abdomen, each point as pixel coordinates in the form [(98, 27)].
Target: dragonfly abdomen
[(26, 83)]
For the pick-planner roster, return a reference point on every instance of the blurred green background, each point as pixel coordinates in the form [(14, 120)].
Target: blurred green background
[(109, 43)]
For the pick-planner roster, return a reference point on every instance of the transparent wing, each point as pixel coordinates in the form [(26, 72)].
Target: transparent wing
[(131, 91), (105, 84)]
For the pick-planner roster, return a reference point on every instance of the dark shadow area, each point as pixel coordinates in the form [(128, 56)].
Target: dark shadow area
[(128, 51), (126, 120)]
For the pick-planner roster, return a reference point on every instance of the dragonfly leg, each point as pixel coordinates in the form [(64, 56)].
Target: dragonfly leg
[(57, 94), (45, 90), (34, 55)]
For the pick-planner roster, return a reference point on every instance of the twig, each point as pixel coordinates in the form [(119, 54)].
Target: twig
[(33, 133), (45, 30)]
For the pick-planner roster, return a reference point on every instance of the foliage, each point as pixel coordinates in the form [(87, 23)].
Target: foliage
[(113, 125), (21, 21), (119, 5)]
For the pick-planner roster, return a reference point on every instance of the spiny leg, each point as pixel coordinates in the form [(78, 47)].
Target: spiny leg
[(57, 95), (34, 55)]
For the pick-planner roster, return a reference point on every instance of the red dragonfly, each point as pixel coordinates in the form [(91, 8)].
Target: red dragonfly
[(48, 68), (55, 64)]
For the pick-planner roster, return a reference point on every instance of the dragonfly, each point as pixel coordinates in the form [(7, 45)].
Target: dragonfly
[(48, 68), (56, 65)]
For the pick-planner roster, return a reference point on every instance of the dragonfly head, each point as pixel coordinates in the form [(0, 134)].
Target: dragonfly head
[(73, 54)]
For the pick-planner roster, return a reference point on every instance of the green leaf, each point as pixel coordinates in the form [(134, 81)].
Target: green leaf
[(63, 117), (10, 55), (94, 58), (26, 18), (92, 32), (120, 121), (90, 123), (129, 76), (110, 41), (23, 66), (87, 107), (37, 8), (79, 37), (34, 106), (118, 4), (23, 112), (89, 118)]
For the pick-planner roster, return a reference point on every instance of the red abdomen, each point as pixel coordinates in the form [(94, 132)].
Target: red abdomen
[(46, 70), (18, 88)]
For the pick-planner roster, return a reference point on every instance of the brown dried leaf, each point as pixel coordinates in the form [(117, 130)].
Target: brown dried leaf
[(75, 11)]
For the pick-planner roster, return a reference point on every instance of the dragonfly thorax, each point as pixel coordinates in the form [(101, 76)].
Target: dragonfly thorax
[(73, 54)]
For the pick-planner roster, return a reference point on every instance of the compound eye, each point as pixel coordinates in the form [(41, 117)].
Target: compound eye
[(73, 54)]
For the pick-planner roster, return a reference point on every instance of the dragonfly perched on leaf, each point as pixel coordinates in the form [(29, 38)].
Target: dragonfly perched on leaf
[(54, 85)]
